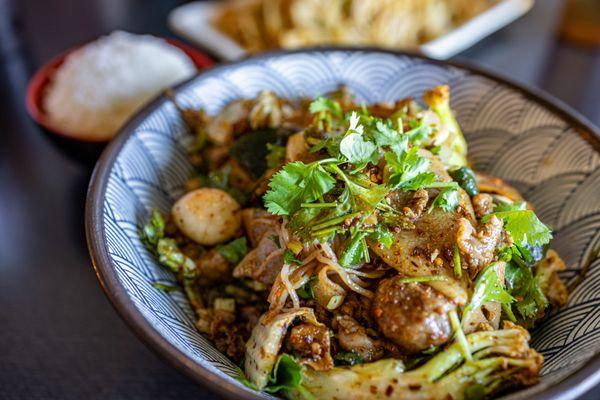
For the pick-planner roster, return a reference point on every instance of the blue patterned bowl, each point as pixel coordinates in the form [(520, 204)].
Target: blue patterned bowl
[(549, 152)]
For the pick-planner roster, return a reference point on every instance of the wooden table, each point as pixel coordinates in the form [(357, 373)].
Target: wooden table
[(59, 336)]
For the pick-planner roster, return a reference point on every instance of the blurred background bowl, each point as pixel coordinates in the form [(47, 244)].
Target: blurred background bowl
[(86, 150)]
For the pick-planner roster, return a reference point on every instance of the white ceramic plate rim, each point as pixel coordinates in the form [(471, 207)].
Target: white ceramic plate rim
[(193, 22)]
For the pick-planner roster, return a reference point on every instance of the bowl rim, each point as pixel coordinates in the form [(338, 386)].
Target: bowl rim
[(569, 387), (39, 81)]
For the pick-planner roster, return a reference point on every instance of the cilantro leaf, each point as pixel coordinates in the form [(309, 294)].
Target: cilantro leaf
[(447, 199), (515, 206), (418, 134), (356, 250), (405, 166), (324, 104), (524, 227), (234, 251), (487, 288), (382, 235), (326, 110), (386, 135), (423, 180), (294, 184), (522, 285), (356, 149)]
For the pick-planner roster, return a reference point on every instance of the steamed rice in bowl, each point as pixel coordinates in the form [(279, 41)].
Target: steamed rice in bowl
[(101, 85)]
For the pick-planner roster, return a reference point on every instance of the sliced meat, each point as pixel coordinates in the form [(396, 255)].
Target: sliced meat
[(412, 315), (239, 178), (213, 269), (297, 149), (259, 224), (231, 120), (427, 249), (410, 204), (261, 264), (551, 284), (357, 307), (494, 185), (483, 204), (311, 343), (353, 337), (478, 246), (216, 156)]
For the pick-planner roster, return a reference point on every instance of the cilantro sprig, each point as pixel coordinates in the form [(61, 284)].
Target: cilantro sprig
[(530, 237), (340, 194)]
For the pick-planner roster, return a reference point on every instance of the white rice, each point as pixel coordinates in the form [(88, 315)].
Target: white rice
[(102, 84)]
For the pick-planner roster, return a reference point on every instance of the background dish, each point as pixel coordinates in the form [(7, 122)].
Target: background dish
[(37, 85), (193, 22), (550, 155)]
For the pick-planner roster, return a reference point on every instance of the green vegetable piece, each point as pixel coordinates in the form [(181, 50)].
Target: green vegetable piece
[(164, 287), (234, 251), (459, 336), (487, 288), (465, 177), (326, 110), (405, 166), (290, 258), (153, 231), (287, 378), (453, 151), (382, 235), (447, 199), (219, 179), (276, 155), (522, 285), (347, 358), (354, 146), (355, 251), (524, 227), (456, 261), (306, 291), (171, 257), (500, 358), (250, 150)]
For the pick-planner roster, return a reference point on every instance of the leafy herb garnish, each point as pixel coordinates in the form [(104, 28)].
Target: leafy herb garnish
[(487, 288), (234, 251), (286, 378), (290, 258), (345, 194)]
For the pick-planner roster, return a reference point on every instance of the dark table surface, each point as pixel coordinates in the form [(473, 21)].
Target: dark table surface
[(59, 336)]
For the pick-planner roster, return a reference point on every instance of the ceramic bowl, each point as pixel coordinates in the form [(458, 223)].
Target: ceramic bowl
[(545, 149)]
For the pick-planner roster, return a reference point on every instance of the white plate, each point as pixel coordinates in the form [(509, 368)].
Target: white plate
[(193, 21)]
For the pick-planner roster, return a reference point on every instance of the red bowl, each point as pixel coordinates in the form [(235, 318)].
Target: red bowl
[(37, 85)]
